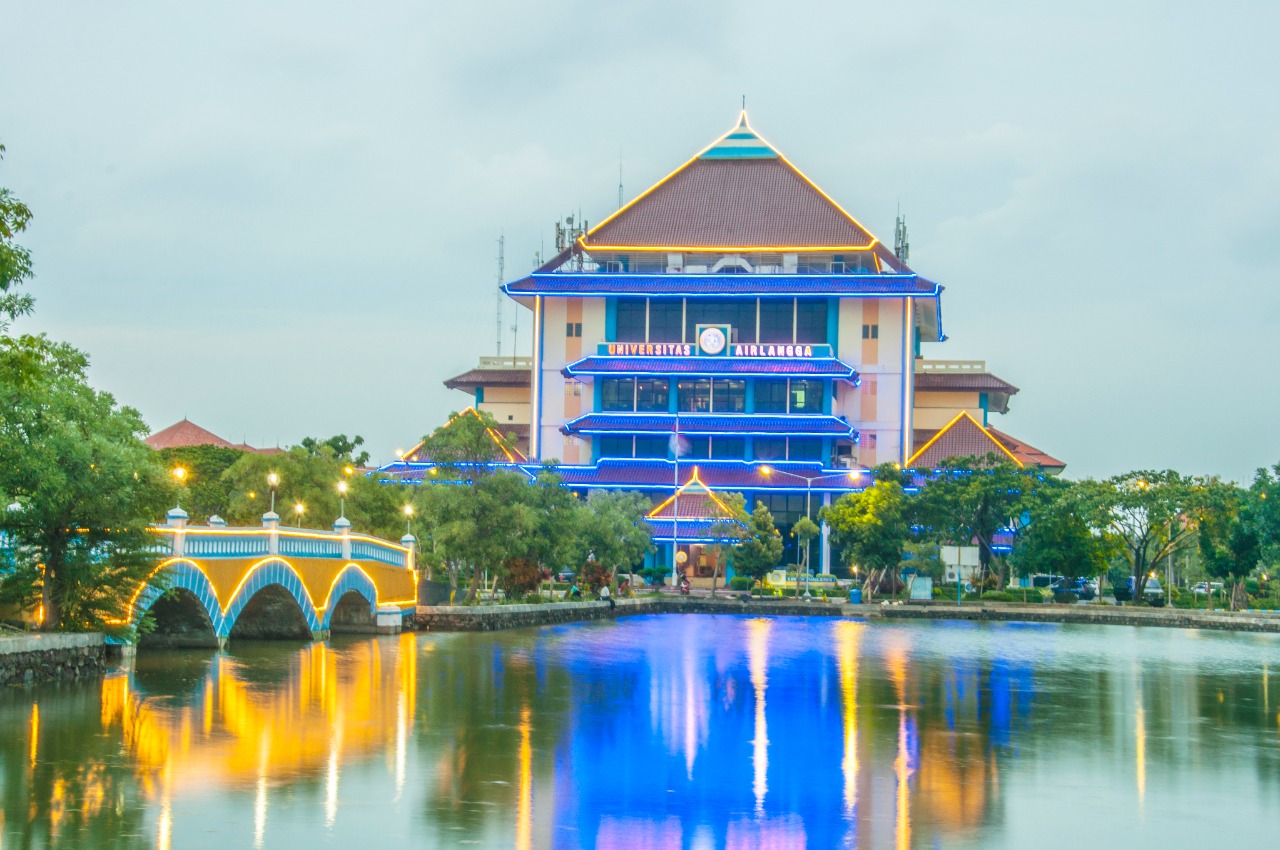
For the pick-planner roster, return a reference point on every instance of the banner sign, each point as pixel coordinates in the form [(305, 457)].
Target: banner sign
[(731, 349)]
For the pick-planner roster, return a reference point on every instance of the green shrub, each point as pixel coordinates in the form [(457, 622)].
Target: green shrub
[(1155, 601), (741, 583), (998, 596), (1066, 598)]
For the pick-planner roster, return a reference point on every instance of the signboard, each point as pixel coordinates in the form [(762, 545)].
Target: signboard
[(729, 349)]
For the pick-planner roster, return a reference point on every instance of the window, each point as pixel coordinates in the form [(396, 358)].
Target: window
[(615, 446), (573, 329), (811, 321), (728, 396), (666, 317), (699, 448), (786, 508), (770, 448), (728, 448), (806, 396), (740, 313), (651, 447), (870, 331), (630, 320), (776, 320), (771, 396), (805, 449), (618, 394), (652, 395), (694, 395)]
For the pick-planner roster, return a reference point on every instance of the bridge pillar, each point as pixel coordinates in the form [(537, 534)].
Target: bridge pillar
[(343, 526), (176, 519), (319, 634), (389, 620), (271, 521), (411, 543)]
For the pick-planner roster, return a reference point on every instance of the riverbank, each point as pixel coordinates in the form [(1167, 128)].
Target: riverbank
[(485, 618), (27, 658), (1230, 621)]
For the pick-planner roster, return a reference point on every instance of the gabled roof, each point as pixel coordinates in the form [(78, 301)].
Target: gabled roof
[(1028, 453), (963, 436), (694, 500), (468, 381), (512, 454), (737, 194), (187, 433)]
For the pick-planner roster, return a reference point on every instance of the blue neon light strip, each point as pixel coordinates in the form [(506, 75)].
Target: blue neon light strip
[(770, 367), (695, 424), (604, 284)]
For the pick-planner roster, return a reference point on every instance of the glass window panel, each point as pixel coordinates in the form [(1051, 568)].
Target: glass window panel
[(807, 448), (630, 325), (617, 394), (728, 448), (651, 446), (652, 395), (694, 395), (771, 396), (806, 396), (811, 321), (612, 446), (699, 448), (775, 320), (665, 317), (728, 396), (770, 448), (740, 313)]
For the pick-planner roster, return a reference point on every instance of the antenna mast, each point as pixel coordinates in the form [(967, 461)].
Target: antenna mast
[(501, 263), (901, 247), (619, 181)]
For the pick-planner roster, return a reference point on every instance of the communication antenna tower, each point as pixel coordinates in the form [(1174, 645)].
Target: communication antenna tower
[(501, 263), (619, 181), (901, 247)]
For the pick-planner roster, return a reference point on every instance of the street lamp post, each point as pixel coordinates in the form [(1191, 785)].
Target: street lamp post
[(408, 517), (299, 509), (808, 480), (342, 498), (273, 481)]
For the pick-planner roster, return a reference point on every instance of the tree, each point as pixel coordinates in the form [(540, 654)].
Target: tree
[(729, 532), (871, 526), (1229, 540), (337, 446), (85, 487), (761, 550), (204, 492), (612, 530), (15, 260), (1059, 542), (1150, 513), (803, 531), (969, 500)]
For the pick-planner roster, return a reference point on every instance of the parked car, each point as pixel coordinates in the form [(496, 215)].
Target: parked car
[(564, 576), (1080, 587)]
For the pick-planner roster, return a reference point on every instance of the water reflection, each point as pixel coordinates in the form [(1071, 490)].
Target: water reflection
[(716, 732)]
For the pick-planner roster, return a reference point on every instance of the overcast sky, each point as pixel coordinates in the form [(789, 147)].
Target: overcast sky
[(284, 223)]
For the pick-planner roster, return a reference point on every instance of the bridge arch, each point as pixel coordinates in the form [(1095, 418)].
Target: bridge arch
[(185, 575), (270, 571), (351, 579)]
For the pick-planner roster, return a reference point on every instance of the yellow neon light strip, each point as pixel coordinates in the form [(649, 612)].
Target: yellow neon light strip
[(258, 532), (742, 122), (694, 479), (964, 414)]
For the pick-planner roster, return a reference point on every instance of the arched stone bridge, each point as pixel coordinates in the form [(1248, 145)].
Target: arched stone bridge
[(274, 581)]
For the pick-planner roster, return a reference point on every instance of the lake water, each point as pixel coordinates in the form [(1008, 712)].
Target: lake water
[(663, 731)]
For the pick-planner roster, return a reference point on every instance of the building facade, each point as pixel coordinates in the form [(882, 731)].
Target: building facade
[(735, 327)]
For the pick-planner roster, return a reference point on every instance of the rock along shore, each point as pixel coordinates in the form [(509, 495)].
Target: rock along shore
[(29, 658)]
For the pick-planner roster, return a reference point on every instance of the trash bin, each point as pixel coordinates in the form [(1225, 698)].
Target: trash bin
[(855, 596)]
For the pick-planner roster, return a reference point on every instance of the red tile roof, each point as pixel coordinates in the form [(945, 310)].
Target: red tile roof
[(962, 437), (721, 199), (976, 382), (1028, 453), (468, 381), (186, 433)]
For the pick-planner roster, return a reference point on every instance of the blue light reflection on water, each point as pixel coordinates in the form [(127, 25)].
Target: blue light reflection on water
[(662, 731)]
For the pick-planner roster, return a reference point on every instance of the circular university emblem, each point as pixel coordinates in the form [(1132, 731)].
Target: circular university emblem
[(711, 340)]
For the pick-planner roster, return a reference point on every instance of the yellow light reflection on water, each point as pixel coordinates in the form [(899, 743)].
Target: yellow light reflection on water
[(524, 798), (896, 662), (848, 636)]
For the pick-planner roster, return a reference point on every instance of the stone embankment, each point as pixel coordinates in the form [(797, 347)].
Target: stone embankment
[(484, 618), (29, 658), (1110, 615)]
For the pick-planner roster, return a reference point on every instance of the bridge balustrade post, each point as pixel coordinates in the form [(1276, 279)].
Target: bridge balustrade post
[(343, 526), (411, 543), (271, 521), (176, 519)]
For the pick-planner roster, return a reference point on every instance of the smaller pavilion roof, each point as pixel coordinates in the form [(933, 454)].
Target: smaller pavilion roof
[(1029, 454), (513, 454), (468, 381), (997, 389), (693, 512), (963, 436), (186, 433)]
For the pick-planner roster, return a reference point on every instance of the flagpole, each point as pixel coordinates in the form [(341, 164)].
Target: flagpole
[(675, 507)]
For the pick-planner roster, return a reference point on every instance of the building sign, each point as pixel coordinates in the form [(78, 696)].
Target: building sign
[(712, 339), (725, 349)]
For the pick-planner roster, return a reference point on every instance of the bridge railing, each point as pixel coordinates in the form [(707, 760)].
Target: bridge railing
[(218, 540)]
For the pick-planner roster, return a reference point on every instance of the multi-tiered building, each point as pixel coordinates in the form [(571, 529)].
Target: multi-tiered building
[(736, 316)]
